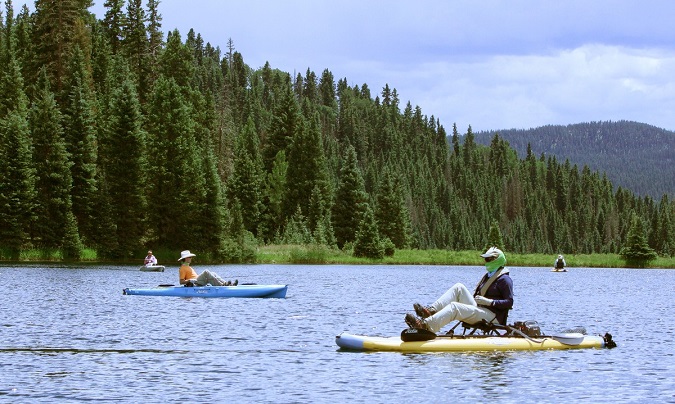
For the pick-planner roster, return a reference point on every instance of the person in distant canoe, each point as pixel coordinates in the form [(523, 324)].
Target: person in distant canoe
[(560, 263), (188, 276), (150, 260), (491, 301)]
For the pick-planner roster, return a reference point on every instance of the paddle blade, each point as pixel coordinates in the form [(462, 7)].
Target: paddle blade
[(416, 334)]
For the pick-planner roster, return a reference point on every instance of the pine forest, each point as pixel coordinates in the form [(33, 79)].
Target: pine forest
[(120, 137)]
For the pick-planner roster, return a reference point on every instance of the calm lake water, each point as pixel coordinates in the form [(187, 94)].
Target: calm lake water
[(67, 334)]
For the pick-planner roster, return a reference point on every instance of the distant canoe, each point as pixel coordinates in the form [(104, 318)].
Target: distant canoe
[(558, 270), (152, 268)]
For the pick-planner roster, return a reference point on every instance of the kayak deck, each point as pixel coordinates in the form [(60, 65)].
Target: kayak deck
[(260, 291), (461, 343)]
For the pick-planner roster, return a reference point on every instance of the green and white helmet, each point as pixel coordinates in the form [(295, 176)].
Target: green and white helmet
[(498, 261)]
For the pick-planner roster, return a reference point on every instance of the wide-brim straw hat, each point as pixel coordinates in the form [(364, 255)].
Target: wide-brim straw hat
[(185, 254)]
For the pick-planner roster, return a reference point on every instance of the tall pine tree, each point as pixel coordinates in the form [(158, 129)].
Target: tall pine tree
[(351, 200), (125, 165)]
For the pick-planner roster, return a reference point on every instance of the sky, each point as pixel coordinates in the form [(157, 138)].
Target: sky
[(490, 64)]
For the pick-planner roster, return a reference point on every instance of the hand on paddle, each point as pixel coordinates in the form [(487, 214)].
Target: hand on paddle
[(483, 301)]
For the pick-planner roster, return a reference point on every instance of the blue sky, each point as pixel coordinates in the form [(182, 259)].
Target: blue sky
[(490, 64)]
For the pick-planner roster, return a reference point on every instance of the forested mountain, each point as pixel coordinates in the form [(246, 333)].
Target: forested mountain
[(635, 156), (122, 137)]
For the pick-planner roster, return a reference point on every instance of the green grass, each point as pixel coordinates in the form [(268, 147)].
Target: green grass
[(285, 254), (313, 254)]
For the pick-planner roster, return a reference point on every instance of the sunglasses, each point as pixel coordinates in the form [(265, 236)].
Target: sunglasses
[(488, 259)]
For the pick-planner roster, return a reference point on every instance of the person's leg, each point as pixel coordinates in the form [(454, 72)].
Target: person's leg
[(458, 312), (457, 293), (208, 277)]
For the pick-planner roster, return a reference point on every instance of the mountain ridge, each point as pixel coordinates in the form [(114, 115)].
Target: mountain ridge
[(636, 156)]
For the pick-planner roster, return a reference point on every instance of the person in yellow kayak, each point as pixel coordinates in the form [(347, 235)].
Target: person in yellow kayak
[(491, 301), (188, 276)]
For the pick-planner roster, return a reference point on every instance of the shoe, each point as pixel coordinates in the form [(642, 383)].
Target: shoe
[(236, 282), (414, 322), (423, 311)]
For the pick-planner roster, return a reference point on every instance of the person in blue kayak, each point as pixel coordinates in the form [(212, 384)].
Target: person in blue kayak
[(150, 259), (188, 276), (490, 302), (559, 263)]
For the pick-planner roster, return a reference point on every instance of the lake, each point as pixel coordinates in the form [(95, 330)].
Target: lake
[(67, 334)]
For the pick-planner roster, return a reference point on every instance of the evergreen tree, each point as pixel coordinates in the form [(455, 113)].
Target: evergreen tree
[(368, 243), (211, 220), (107, 243), (54, 180), (155, 39), (391, 214), (247, 180), (177, 61), (114, 22), (666, 227), (239, 244), (135, 45), (174, 189), (17, 182), (57, 29), (81, 143), (636, 252), (326, 90), (306, 168), (125, 166), (275, 191), (350, 200), (286, 122), (494, 237)]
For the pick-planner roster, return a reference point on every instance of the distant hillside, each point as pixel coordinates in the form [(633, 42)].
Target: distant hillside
[(635, 156)]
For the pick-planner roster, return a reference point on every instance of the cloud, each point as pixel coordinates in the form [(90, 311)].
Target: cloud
[(588, 83)]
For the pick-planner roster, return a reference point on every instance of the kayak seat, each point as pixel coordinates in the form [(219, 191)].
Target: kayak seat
[(483, 327)]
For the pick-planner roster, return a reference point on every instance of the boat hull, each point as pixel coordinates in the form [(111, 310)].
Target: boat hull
[(260, 291), (152, 268), (466, 343)]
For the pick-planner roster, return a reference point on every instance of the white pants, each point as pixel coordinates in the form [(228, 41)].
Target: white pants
[(208, 277), (457, 304)]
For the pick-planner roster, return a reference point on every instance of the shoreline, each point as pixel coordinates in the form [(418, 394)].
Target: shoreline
[(321, 255)]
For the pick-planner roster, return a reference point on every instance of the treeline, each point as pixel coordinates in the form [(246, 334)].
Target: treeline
[(636, 156), (117, 138)]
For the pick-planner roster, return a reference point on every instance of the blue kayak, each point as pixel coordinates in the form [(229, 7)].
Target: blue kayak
[(277, 291)]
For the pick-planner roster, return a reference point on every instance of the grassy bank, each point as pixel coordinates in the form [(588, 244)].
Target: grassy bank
[(285, 254), (309, 254)]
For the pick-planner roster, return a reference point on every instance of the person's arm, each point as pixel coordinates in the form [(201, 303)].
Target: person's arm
[(182, 275)]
